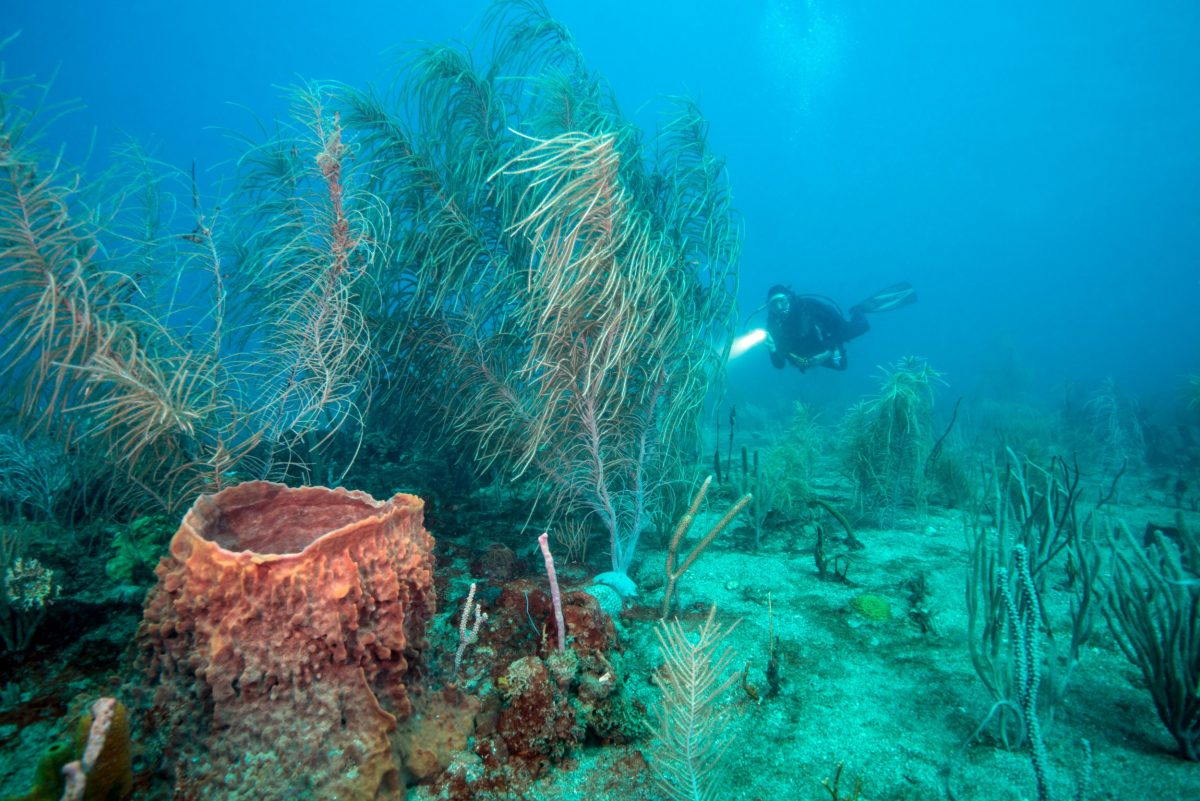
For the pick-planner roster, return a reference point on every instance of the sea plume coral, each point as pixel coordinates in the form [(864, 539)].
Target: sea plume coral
[(184, 355), (558, 286)]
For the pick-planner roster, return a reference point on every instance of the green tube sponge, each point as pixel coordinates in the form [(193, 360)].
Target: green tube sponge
[(48, 779)]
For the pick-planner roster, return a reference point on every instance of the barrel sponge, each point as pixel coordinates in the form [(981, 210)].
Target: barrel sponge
[(280, 636)]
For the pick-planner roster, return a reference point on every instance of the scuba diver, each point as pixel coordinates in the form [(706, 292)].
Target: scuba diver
[(809, 330)]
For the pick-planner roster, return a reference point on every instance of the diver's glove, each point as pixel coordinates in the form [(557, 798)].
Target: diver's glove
[(770, 342), (824, 357)]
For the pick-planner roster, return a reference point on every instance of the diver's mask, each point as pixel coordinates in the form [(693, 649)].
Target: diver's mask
[(779, 304)]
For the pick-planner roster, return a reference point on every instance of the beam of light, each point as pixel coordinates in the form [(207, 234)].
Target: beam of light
[(747, 341)]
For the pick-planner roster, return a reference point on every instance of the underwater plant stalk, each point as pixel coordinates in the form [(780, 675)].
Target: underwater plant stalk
[(555, 596)]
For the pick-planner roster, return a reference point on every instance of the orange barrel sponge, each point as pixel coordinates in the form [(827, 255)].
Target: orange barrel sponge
[(279, 637)]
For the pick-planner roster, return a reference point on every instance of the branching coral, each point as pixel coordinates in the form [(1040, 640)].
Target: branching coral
[(889, 436), (1115, 427), (548, 300), (556, 292), (82, 358), (98, 345)]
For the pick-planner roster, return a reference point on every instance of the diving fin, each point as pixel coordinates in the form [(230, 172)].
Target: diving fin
[(893, 297)]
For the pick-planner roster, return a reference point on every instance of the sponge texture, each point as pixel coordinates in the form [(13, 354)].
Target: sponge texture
[(280, 634)]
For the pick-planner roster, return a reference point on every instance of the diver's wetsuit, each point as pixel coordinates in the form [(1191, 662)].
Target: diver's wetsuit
[(812, 332)]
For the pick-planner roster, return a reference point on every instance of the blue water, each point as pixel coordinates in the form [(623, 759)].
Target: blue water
[(1031, 168)]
